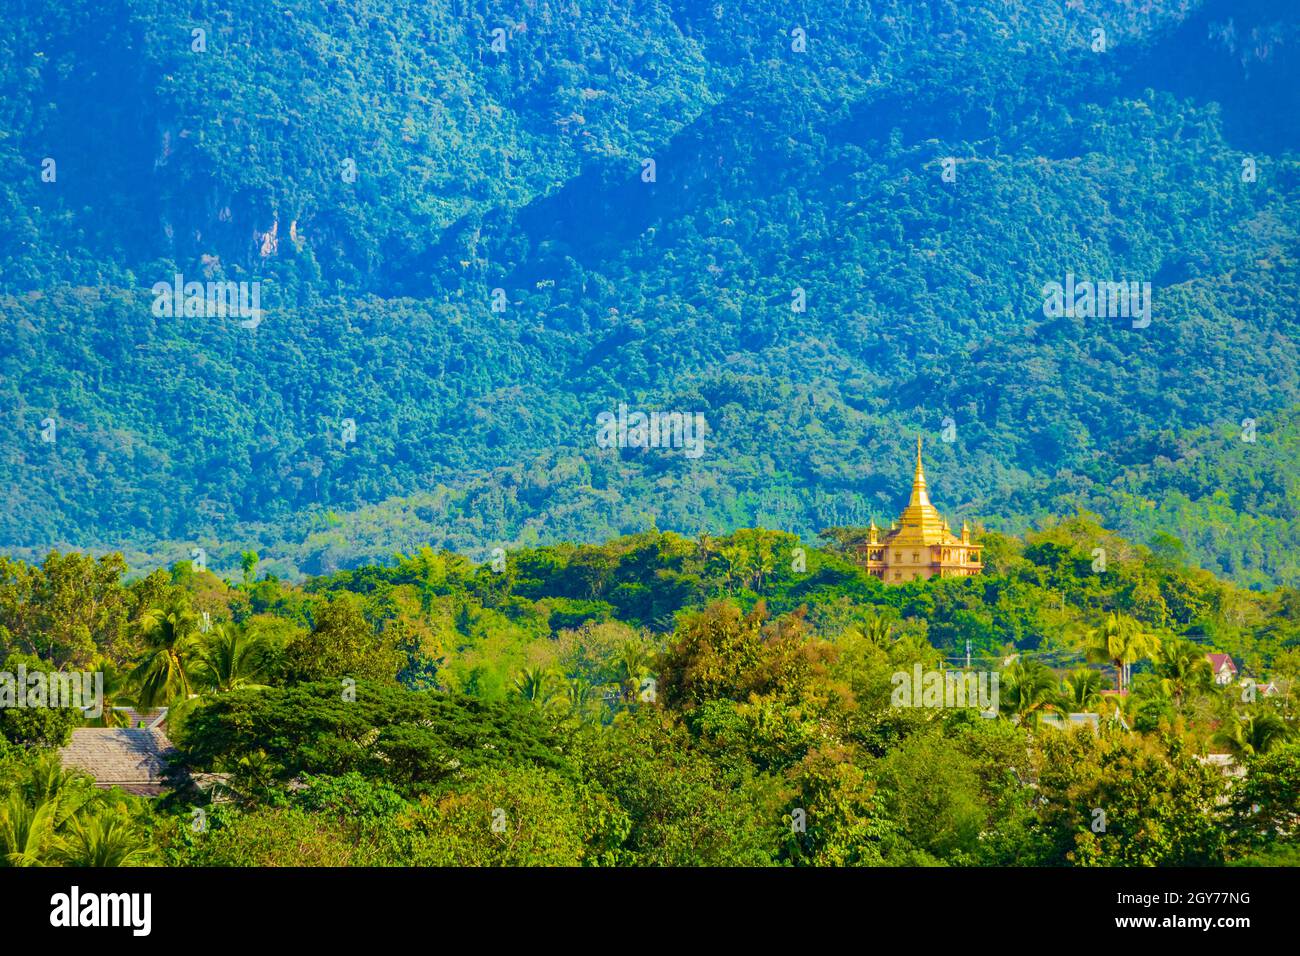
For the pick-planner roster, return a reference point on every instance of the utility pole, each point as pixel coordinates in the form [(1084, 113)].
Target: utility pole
[(968, 653)]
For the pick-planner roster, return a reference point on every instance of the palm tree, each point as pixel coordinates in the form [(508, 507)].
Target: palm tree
[(117, 693), (1120, 641), (878, 631), (1027, 690), (1182, 669), (106, 838), (37, 809), (26, 830), (536, 685), (738, 564), (165, 673), (581, 696), (765, 563), (634, 663), (1081, 690), (1255, 733), (232, 658)]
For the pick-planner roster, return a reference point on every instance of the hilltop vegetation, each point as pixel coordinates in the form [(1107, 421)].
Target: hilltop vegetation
[(657, 700), (522, 170)]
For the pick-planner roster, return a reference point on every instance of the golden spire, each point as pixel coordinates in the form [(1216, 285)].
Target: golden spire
[(920, 522), (920, 497)]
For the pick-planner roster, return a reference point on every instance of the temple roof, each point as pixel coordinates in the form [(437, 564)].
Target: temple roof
[(920, 522)]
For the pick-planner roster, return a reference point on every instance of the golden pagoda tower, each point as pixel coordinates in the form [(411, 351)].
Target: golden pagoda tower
[(920, 544)]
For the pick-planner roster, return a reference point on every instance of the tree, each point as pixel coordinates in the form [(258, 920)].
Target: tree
[(53, 816), (1253, 733), (1120, 641), (343, 644), (582, 698), (1028, 689), (27, 831), (1183, 669), (414, 741), (248, 564), (108, 837), (69, 611), (497, 816), (878, 630), (1081, 690), (1119, 799), (34, 725), (538, 686), (838, 817), (1266, 804), (171, 637), (634, 666), (679, 808), (722, 652), (233, 657), (932, 791)]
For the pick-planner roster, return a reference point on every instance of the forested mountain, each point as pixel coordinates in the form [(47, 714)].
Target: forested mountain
[(913, 172)]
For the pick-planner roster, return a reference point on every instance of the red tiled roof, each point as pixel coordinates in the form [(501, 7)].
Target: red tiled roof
[(1219, 661)]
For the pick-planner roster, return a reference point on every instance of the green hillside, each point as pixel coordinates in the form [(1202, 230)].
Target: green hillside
[(521, 170)]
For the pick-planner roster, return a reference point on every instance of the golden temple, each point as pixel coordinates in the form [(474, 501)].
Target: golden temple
[(920, 544)]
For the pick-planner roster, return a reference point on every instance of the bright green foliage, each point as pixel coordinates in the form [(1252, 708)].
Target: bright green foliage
[(413, 741), (1119, 800), (342, 645), (497, 816), (52, 817), (1266, 804)]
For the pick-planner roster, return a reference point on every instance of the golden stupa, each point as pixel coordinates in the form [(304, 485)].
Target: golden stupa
[(920, 544)]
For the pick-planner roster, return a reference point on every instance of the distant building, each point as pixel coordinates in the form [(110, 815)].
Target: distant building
[(1062, 721), (1223, 668), (1226, 764), (920, 544), (131, 758)]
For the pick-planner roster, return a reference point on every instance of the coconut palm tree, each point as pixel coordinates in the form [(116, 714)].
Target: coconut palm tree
[(634, 666), (1028, 689), (1183, 669), (166, 672), (1253, 733), (581, 697), (737, 564), (231, 658), (1120, 641), (1081, 690), (765, 562), (118, 692), (537, 686)]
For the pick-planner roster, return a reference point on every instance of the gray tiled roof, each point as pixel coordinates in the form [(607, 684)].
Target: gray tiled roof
[(126, 757)]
